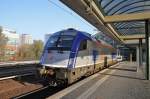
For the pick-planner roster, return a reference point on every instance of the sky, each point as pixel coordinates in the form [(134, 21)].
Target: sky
[(39, 17)]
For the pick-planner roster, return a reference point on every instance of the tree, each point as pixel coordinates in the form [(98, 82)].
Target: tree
[(37, 48), (3, 42), (25, 52), (30, 51)]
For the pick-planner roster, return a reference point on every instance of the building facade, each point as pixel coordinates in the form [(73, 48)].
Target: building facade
[(12, 43), (26, 39)]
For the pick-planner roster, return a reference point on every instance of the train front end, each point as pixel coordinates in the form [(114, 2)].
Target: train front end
[(56, 54)]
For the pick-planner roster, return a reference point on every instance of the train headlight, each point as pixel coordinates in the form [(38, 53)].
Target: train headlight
[(42, 71)]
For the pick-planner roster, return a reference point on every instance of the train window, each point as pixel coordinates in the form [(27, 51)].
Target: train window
[(83, 45), (60, 42)]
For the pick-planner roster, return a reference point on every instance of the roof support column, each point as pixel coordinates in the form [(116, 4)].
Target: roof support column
[(140, 52), (147, 38), (137, 56)]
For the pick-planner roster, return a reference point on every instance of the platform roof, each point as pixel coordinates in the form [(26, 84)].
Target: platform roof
[(120, 19)]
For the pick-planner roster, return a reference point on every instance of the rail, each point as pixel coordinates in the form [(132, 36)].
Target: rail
[(40, 93), (14, 63)]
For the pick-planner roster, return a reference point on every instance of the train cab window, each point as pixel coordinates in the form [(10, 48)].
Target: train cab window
[(83, 45), (60, 42)]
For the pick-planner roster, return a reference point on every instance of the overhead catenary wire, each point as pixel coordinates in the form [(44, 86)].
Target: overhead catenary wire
[(70, 13)]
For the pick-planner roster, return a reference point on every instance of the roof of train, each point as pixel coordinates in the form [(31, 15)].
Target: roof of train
[(77, 33), (72, 31)]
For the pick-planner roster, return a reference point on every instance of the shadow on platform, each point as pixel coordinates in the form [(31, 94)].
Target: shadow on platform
[(122, 76), (124, 69)]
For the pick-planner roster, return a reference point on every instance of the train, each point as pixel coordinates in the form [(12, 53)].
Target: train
[(71, 54)]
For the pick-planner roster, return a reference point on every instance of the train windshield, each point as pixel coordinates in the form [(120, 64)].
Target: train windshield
[(60, 42)]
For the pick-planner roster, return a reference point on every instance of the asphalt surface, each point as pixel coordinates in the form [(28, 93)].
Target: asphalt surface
[(117, 82)]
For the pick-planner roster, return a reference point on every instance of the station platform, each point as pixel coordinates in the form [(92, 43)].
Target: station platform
[(120, 81)]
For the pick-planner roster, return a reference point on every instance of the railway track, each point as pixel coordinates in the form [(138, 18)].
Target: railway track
[(17, 71), (15, 86), (40, 93), (12, 70), (25, 71), (16, 76)]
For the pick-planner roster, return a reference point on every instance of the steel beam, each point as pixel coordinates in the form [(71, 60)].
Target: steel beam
[(100, 15), (129, 37), (90, 12), (127, 17)]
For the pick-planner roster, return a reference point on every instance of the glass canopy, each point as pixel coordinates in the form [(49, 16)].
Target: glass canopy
[(112, 7), (117, 7)]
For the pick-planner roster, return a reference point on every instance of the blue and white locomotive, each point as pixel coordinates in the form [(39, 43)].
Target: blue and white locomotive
[(71, 54)]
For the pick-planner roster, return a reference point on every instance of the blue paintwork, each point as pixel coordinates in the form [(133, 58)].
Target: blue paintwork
[(95, 54), (114, 55), (75, 47)]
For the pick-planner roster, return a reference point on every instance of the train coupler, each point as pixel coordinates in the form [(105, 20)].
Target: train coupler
[(53, 83), (58, 83)]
